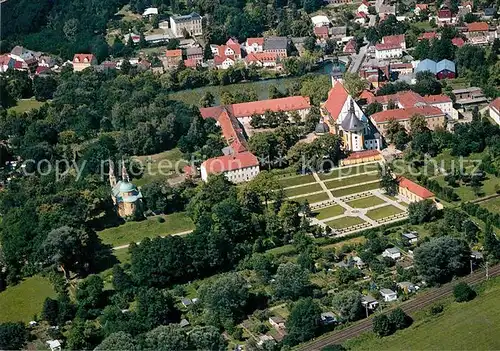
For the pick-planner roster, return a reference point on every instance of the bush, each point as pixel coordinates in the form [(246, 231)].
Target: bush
[(463, 292), (436, 309), (399, 319), (160, 219), (382, 326)]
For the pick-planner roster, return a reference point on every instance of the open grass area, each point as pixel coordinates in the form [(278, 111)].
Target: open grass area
[(365, 202), (333, 184), (314, 198), (22, 301), (493, 205), (383, 212), (462, 326), (149, 228), (355, 189), (344, 222), (26, 105), (331, 211), (296, 180), (349, 171), (160, 166), (122, 255), (466, 193), (311, 188)]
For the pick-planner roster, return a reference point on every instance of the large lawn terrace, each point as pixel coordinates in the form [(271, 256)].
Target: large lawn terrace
[(342, 172), (355, 189), (383, 212), (354, 180), (303, 190)]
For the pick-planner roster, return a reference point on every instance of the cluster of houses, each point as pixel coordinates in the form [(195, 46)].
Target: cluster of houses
[(23, 59)]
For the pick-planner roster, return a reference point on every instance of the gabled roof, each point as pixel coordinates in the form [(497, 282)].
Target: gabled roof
[(445, 65), (82, 57), (275, 43), (426, 65), (437, 99), (262, 57), (230, 162), (415, 188), (219, 59), (406, 113), (323, 30), (191, 63), (174, 53), (422, 6), (257, 41), (337, 97), (362, 154), (496, 104), (459, 42), (388, 46), (477, 27), (428, 35), (394, 39)]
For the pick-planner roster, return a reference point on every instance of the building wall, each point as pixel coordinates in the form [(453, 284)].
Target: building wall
[(387, 54), (235, 176), (432, 124), (447, 107), (254, 48), (495, 115), (302, 113), (279, 52), (194, 27), (409, 195)]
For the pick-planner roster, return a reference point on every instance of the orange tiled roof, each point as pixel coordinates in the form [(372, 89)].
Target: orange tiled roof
[(230, 162), (81, 57), (363, 154), (437, 99), (415, 188), (258, 41), (478, 27), (174, 53), (394, 39), (262, 57), (496, 104), (458, 42), (337, 97), (406, 113)]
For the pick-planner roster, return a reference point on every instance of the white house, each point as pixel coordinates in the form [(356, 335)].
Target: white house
[(388, 295), (237, 168), (369, 302), (392, 252), (254, 45), (320, 21), (411, 238), (223, 62), (54, 345), (150, 11), (495, 110), (364, 7), (388, 51)]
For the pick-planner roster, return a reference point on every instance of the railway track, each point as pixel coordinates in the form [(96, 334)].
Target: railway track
[(411, 306)]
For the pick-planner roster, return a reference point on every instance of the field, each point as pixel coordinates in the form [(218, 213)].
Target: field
[(366, 202), (21, 302), (466, 193), (332, 184), (312, 198), (344, 222), (160, 166), (149, 228), (348, 171), (465, 326), (383, 212), (26, 105), (355, 189), (493, 205), (303, 190), (329, 212), (296, 180)]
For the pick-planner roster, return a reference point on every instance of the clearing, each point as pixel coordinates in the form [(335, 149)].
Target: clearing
[(492, 205), (148, 228), (25, 105), (22, 301), (333, 184), (312, 198), (296, 180), (160, 166)]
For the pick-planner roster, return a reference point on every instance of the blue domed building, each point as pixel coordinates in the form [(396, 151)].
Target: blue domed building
[(126, 197)]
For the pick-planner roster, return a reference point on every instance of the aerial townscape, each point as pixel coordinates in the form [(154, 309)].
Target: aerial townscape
[(254, 175)]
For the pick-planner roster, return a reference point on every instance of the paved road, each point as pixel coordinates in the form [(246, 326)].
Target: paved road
[(410, 307), (358, 59)]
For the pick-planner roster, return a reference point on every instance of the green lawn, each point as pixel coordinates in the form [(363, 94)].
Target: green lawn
[(355, 189), (462, 326), (332, 184), (344, 222), (122, 255), (366, 202), (314, 198), (493, 205), (26, 105), (149, 228), (466, 193), (22, 301), (331, 211), (160, 166), (383, 212), (311, 188), (348, 171), (296, 180)]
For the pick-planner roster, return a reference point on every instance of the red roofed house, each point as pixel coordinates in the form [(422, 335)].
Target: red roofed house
[(495, 110), (478, 33), (412, 191), (445, 16), (321, 32), (173, 58), (434, 116), (419, 8), (361, 157), (458, 42), (388, 51), (360, 17), (427, 36), (191, 63), (4, 63), (262, 59), (254, 45), (224, 62), (82, 61), (226, 55), (350, 47), (395, 40)]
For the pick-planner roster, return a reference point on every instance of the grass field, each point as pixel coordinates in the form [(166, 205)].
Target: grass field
[(296, 180), (331, 211), (348, 171), (312, 198), (122, 255), (366, 202), (383, 212), (493, 205), (344, 222), (149, 228), (311, 188), (159, 166), (21, 302), (466, 193), (355, 189), (26, 105), (462, 326), (332, 184)]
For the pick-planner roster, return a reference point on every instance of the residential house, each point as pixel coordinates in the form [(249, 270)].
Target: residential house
[(320, 21), (495, 110), (150, 12), (226, 55), (265, 338), (262, 59), (131, 36), (156, 38), (467, 93), (195, 53), (413, 191), (254, 45), (321, 32), (410, 238), (388, 295), (172, 58), (392, 252), (191, 63), (54, 345), (434, 116), (388, 51), (369, 302), (478, 33), (24, 59), (278, 45), (361, 18), (277, 323), (428, 36), (395, 40), (386, 10), (419, 8), (408, 287), (338, 33), (458, 42), (191, 24), (401, 68), (364, 7), (328, 318), (237, 168), (82, 61), (224, 62), (350, 47), (445, 17)]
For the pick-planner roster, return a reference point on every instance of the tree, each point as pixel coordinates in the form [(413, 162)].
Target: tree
[(118, 341), (354, 84), (167, 338), (292, 281), (399, 319), (44, 87), (491, 242), (224, 299), (156, 195), (207, 338), (207, 52), (207, 99), (439, 259), (13, 336), (90, 297), (348, 304), (374, 107), (382, 326), (155, 307), (83, 335), (418, 124), (310, 44), (393, 127), (121, 280), (304, 321), (312, 118), (388, 181), (463, 292), (422, 211), (50, 311)]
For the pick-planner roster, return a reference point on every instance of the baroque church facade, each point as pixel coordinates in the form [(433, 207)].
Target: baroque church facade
[(126, 197)]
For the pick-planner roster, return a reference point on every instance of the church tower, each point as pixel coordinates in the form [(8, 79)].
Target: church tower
[(353, 129)]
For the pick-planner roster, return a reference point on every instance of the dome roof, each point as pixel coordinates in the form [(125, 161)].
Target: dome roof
[(321, 128), (126, 187)]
